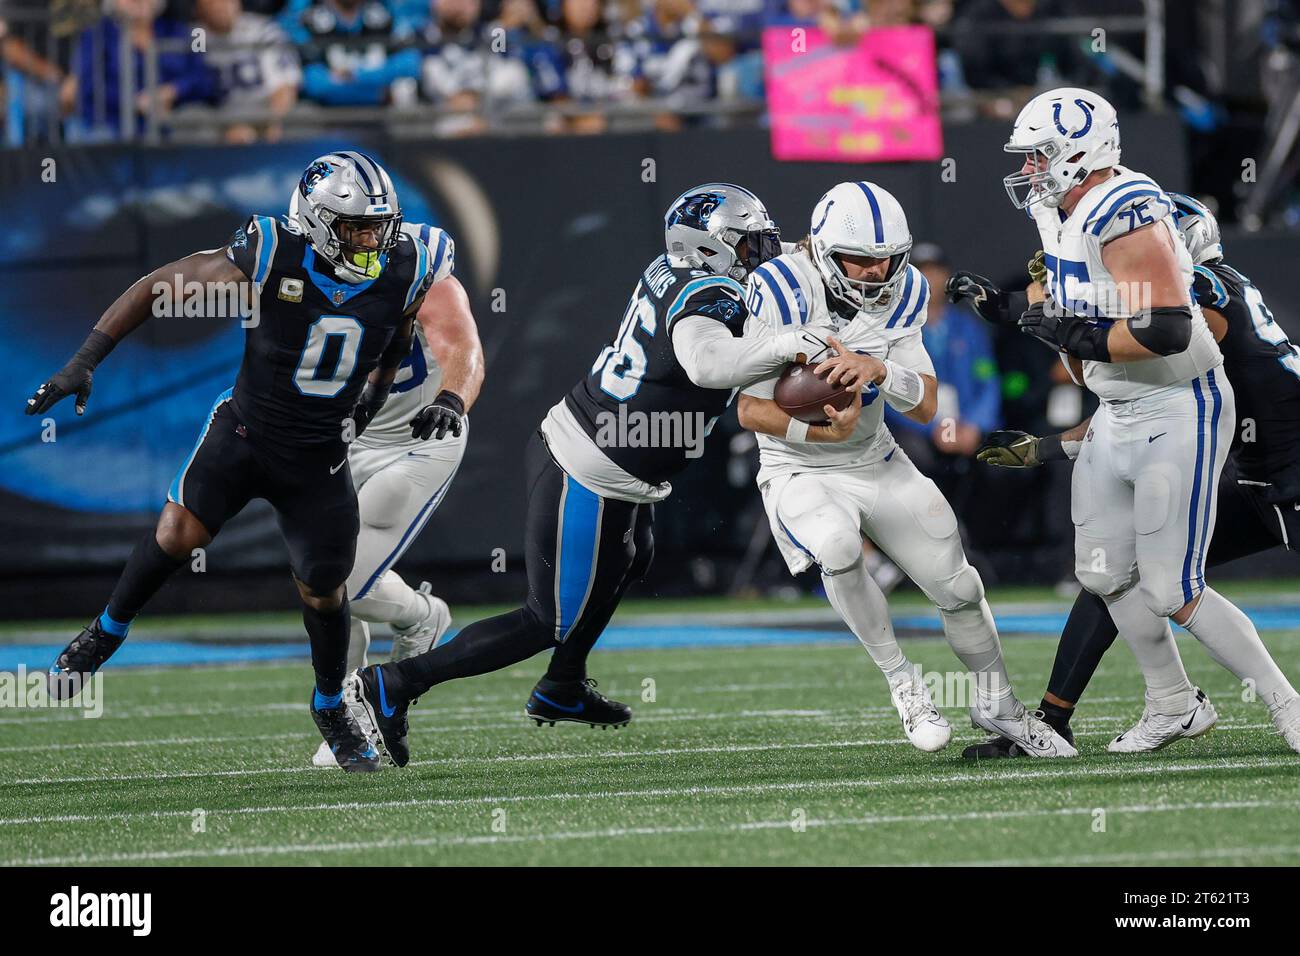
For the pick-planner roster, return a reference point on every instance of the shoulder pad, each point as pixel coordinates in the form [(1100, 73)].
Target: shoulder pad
[(714, 297), (252, 247), (909, 310), (1129, 203), (777, 293), (435, 256), (1208, 289)]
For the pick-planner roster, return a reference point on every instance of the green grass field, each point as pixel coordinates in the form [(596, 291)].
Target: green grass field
[(761, 755)]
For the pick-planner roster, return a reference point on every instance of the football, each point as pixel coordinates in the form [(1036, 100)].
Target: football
[(801, 393)]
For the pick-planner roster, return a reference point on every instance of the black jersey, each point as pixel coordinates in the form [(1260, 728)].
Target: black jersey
[(315, 338), (637, 401), (1264, 368)]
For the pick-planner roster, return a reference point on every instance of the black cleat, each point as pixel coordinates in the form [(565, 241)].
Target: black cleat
[(998, 747), (80, 660), (351, 747), (374, 689), (578, 701)]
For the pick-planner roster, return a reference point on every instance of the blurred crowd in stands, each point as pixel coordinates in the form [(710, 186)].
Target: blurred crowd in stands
[(468, 56)]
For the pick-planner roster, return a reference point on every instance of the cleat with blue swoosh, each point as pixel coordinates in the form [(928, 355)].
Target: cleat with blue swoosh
[(576, 701), (383, 707), (352, 748)]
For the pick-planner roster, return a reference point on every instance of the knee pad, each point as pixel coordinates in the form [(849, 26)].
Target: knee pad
[(839, 550), (960, 590), (383, 500), (1103, 583), (1162, 598)]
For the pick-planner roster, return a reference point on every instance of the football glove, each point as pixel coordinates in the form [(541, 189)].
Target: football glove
[(1038, 268), (1066, 332), (988, 301), (443, 415), (75, 378), (368, 405), (1009, 449)]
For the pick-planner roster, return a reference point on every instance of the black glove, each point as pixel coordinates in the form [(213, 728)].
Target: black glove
[(1066, 332), (368, 405), (76, 377), (442, 416), (989, 302)]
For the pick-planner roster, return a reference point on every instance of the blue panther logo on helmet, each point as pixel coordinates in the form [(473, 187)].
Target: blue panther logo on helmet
[(314, 174), (694, 211)]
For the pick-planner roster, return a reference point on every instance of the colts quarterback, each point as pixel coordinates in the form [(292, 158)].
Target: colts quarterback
[(1143, 492), (824, 486), (336, 288), (678, 356)]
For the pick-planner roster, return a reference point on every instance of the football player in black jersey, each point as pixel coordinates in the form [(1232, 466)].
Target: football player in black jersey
[(333, 289), (1258, 494), (604, 455)]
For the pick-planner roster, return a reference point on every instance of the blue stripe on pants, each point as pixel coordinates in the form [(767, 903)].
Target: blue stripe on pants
[(1196, 491), (1210, 486), (577, 544), (175, 492)]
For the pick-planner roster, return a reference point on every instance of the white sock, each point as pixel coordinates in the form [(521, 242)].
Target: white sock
[(1231, 639), (1168, 689), (973, 637), (392, 601), (860, 602), (358, 644)]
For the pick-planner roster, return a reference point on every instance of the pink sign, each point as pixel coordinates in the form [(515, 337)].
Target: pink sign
[(877, 101)]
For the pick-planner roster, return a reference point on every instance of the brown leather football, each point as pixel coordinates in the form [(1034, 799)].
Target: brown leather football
[(800, 393)]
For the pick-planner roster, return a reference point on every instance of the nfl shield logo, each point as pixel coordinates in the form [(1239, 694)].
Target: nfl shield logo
[(338, 296)]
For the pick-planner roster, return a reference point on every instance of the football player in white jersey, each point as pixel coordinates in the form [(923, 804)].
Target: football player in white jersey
[(825, 486), (400, 478), (1143, 495)]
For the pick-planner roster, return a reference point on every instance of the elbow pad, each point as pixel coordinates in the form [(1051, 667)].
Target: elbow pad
[(1165, 331)]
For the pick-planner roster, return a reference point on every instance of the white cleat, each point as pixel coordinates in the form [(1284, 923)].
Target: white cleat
[(1154, 731), (1025, 728), (926, 728), (423, 634), (1287, 720), (323, 757)]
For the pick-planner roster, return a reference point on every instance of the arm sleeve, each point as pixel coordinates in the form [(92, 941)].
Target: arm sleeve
[(713, 357)]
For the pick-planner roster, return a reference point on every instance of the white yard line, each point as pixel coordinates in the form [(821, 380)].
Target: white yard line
[(746, 827), (1055, 769)]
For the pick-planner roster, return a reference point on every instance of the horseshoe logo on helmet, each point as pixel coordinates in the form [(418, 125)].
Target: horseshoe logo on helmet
[(1087, 120)]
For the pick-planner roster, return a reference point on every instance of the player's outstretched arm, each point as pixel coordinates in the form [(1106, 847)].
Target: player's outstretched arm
[(452, 334), (713, 357), (131, 309), (1008, 448), (765, 416)]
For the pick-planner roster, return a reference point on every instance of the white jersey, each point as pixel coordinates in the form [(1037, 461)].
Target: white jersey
[(419, 378), (253, 61), (1079, 280), (788, 292)]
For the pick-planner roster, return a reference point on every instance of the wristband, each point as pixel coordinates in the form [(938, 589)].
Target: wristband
[(97, 345), (451, 400), (902, 387), (1053, 448), (796, 430)]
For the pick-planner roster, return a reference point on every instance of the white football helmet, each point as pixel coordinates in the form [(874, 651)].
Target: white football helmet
[(860, 219), (1198, 227), (1075, 131), (347, 187), (721, 228)]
